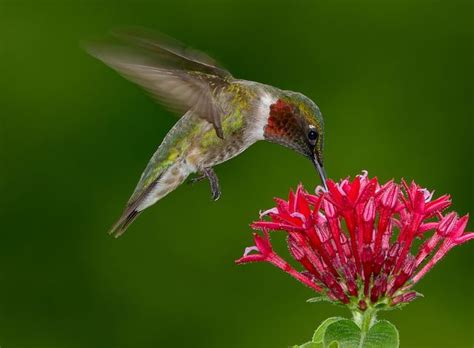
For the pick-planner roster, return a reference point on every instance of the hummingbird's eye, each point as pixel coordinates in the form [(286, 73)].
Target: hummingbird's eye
[(312, 135)]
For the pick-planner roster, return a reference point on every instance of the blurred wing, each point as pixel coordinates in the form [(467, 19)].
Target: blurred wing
[(178, 77)]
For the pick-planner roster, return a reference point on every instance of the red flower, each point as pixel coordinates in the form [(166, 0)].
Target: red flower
[(355, 242)]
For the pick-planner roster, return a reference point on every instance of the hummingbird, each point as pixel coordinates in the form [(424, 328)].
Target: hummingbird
[(221, 115)]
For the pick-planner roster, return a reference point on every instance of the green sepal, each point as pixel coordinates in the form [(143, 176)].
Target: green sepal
[(385, 306), (324, 298), (320, 298), (310, 345)]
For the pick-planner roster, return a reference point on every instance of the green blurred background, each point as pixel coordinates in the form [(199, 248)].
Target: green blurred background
[(393, 79)]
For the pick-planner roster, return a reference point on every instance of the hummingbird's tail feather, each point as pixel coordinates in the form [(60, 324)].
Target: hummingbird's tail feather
[(132, 211), (122, 224), (146, 195)]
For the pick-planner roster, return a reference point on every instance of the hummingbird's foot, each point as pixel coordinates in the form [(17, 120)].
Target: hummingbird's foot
[(197, 179), (210, 174), (214, 181)]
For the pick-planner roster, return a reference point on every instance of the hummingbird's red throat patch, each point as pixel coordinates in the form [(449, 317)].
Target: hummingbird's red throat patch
[(280, 119)]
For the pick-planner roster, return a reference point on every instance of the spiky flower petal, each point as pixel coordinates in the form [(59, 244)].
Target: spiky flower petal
[(355, 242)]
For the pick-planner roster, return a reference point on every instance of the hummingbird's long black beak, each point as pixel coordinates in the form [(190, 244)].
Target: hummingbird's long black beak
[(320, 170)]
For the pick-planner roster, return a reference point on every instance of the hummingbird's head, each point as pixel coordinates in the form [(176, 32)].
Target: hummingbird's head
[(295, 122)]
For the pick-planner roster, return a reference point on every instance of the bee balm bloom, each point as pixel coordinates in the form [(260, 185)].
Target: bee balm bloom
[(355, 242)]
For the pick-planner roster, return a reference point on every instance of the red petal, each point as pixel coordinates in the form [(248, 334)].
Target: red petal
[(354, 191), (250, 258), (369, 211), (276, 226), (263, 243), (438, 205), (302, 205), (336, 196)]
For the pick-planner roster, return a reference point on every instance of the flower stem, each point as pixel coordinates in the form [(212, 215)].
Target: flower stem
[(365, 320)]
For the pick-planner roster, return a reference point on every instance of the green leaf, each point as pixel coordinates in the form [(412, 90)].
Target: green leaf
[(345, 333), (319, 333), (317, 340), (382, 335)]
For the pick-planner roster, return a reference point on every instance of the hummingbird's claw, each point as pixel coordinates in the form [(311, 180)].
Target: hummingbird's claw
[(210, 174), (216, 194)]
